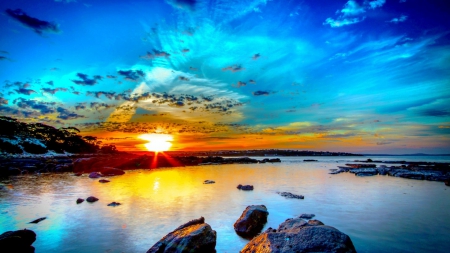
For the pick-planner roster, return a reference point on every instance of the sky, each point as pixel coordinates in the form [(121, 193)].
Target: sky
[(366, 76)]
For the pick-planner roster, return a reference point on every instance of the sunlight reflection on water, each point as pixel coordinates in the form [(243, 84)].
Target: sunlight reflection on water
[(379, 213)]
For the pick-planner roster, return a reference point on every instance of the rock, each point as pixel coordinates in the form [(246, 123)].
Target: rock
[(77, 174), (310, 160), (273, 160), (194, 236), (63, 168), (83, 164), (447, 183), (91, 199), (112, 172), (80, 201), (30, 168), (357, 166), (209, 182), (315, 222), (17, 241), (251, 221), (94, 175), (364, 171), (245, 187), (307, 216), (364, 174), (291, 195), (14, 171), (38, 220), (114, 204), (104, 181), (297, 235)]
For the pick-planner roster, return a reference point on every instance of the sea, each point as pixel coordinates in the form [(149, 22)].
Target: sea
[(379, 213)]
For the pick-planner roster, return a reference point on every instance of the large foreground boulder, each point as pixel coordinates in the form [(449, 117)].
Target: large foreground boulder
[(251, 221), (297, 235), (194, 236), (17, 241)]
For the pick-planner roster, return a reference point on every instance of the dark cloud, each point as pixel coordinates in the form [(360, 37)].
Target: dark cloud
[(261, 93), (97, 94), (155, 54), (80, 106), (131, 75), (65, 114), (25, 91), (42, 107), (100, 106), (85, 80), (3, 101), (39, 26), (239, 84), (233, 68), (53, 91), (435, 113)]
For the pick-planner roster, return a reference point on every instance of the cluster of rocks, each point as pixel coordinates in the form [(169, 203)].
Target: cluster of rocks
[(19, 166), (78, 164), (293, 235), (430, 173)]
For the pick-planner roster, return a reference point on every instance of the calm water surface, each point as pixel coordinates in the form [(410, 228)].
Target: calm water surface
[(380, 213)]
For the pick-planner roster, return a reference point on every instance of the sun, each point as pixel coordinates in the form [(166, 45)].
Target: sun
[(157, 142)]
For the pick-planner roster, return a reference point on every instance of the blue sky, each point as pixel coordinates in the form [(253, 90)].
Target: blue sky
[(357, 76)]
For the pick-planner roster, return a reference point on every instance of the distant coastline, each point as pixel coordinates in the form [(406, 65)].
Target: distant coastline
[(417, 154)]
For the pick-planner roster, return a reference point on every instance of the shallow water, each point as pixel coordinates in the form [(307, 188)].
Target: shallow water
[(379, 213)]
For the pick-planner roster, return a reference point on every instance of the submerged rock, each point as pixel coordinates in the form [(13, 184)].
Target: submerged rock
[(104, 181), (112, 172), (17, 241), (291, 195), (209, 182), (245, 187), (297, 235), (252, 220), (91, 199), (194, 236), (94, 175), (80, 201), (38, 220), (307, 216), (114, 204)]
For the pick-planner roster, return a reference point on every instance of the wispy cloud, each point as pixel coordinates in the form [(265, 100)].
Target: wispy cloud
[(400, 19), (352, 13)]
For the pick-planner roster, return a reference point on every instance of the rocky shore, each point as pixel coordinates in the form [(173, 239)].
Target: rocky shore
[(122, 161), (430, 171)]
